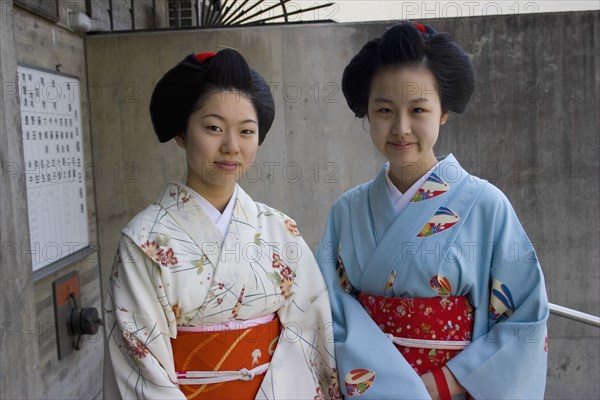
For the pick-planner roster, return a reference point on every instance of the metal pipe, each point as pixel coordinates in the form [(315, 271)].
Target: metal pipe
[(110, 14), (575, 315), (203, 13), (132, 12), (288, 14), (154, 14), (234, 13), (224, 12), (238, 22), (284, 8), (216, 12), (211, 13)]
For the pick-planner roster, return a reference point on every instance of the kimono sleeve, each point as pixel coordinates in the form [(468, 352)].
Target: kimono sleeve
[(303, 365), (509, 360), (138, 329), (362, 349)]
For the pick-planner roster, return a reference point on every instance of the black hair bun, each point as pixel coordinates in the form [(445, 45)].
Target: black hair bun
[(177, 93), (411, 44)]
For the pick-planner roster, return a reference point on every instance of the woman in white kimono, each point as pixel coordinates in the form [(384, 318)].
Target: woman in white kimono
[(213, 295), (436, 290)]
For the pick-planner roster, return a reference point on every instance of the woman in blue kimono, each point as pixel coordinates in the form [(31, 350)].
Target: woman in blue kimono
[(435, 288)]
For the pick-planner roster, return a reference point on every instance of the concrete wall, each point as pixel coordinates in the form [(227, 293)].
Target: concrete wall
[(47, 45), (532, 129), (18, 346), (29, 365)]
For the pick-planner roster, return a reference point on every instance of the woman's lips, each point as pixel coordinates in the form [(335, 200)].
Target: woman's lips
[(228, 165), (401, 145)]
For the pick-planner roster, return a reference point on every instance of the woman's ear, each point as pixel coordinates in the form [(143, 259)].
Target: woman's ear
[(444, 118), (180, 139)]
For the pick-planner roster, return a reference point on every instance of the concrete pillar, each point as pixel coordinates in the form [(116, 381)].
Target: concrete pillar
[(18, 328)]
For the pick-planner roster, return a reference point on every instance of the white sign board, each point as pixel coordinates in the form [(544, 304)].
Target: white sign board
[(54, 165)]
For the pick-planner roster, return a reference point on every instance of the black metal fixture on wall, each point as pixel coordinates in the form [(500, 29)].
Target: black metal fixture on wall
[(216, 13)]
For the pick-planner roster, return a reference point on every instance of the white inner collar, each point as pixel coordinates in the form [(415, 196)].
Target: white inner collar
[(399, 199), (220, 219)]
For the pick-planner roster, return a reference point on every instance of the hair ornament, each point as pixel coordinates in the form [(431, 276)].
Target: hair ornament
[(201, 57), (426, 30), (420, 27)]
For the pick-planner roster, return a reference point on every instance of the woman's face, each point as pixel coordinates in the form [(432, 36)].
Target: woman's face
[(405, 115), (220, 141)]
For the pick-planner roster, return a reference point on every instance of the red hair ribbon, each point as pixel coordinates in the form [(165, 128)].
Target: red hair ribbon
[(201, 57), (420, 27)]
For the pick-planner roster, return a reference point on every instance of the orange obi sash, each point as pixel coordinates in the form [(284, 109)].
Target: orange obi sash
[(427, 331), (224, 361)]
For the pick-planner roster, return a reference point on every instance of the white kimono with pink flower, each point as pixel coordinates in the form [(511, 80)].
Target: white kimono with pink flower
[(174, 268)]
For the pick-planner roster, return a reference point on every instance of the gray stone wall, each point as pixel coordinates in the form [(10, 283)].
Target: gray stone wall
[(44, 44), (18, 344), (29, 365), (532, 130)]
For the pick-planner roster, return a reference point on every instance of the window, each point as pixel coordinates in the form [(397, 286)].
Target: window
[(182, 13)]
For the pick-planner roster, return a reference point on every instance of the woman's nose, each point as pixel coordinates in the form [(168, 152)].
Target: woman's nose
[(401, 125), (230, 143)]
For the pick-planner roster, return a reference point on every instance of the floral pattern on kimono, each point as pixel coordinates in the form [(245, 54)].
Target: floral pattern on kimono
[(174, 268)]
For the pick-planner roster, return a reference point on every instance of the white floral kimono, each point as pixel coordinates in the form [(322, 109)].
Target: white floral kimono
[(174, 268)]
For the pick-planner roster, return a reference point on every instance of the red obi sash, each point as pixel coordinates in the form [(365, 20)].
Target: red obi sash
[(224, 364), (427, 331)]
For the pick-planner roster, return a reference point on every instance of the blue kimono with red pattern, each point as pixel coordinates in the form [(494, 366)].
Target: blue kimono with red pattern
[(459, 236)]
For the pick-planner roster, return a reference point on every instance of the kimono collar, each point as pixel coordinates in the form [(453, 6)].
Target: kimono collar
[(188, 213), (218, 218), (399, 199), (179, 201), (382, 207), (449, 169)]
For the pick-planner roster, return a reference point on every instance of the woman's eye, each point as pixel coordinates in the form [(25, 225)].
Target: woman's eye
[(248, 132), (385, 110), (213, 128), (418, 110)]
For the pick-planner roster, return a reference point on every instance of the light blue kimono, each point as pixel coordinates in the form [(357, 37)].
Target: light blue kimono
[(459, 227)]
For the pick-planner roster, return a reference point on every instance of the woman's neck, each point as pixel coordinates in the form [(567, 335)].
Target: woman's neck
[(404, 176), (218, 196)]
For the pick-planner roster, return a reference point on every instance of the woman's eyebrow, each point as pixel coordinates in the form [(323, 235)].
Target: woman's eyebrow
[(419, 100), (220, 117), (214, 116), (382, 100)]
